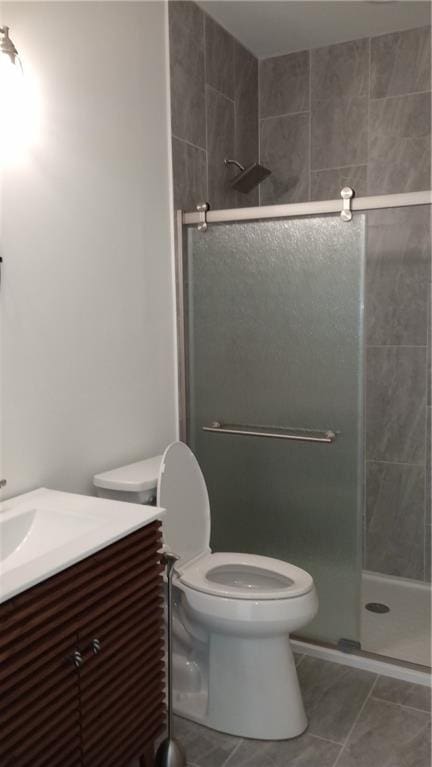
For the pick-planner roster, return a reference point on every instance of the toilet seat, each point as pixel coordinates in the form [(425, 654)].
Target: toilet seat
[(182, 490), (245, 576)]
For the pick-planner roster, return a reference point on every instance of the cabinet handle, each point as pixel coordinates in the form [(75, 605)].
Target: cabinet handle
[(96, 646), (77, 659)]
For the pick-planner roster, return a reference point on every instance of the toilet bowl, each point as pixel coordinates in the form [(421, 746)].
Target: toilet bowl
[(234, 669)]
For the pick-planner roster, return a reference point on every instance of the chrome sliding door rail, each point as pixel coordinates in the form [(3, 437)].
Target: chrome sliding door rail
[(310, 208), (274, 432)]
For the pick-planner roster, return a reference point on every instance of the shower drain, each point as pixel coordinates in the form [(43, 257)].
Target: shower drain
[(377, 607)]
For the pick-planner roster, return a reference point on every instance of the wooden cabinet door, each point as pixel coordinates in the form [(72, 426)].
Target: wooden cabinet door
[(120, 636), (39, 699)]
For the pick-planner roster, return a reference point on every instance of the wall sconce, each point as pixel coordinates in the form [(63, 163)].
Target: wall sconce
[(7, 47)]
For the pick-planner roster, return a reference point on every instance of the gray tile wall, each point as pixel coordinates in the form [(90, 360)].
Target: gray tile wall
[(358, 114), (355, 114), (214, 109)]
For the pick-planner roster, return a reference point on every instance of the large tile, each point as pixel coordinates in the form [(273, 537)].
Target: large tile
[(339, 133), (340, 70), (406, 694), (219, 50), (387, 735), (428, 557), (220, 140), (306, 751), (246, 115), (395, 404), (333, 696), (327, 184), (186, 28), (189, 175), (397, 276), (285, 151), (429, 348), (204, 747), (401, 63), (246, 99), (428, 467), (395, 519), (399, 144), (284, 84)]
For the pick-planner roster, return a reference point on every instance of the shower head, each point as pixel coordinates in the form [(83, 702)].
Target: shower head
[(249, 177)]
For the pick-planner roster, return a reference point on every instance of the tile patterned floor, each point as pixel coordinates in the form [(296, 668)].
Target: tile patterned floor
[(356, 719)]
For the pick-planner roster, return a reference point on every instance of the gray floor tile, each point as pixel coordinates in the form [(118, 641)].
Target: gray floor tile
[(333, 696), (404, 693), (305, 751), (388, 735), (204, 747)]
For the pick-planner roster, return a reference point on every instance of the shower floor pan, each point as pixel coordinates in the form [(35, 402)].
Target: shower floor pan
[(404, 632)]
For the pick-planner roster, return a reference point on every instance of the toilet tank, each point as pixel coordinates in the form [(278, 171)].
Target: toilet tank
[(136, 482)]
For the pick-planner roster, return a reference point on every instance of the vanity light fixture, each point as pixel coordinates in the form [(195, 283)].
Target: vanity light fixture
[(7, 48)]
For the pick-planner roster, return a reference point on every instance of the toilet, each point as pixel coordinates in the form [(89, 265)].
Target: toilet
[(234, 669)]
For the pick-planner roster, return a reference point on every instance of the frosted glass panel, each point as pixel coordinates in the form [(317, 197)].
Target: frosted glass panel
[(275, 339)]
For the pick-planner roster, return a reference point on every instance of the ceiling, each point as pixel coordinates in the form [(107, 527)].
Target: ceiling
[(270, 28)]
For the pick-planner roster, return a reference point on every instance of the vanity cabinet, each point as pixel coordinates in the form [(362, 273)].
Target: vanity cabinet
[(82, 668)]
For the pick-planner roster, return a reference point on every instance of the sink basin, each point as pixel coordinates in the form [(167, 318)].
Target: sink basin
[(28, 535), (46, 531)]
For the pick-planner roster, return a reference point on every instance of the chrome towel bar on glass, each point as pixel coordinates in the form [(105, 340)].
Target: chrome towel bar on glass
[(276, 432)]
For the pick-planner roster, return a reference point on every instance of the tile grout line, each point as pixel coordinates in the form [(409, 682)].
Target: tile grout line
[(340, 167), (401, 705), (368, 696), (284, 114), (396, 346), (189, 143), (235, 749), (394, 463), (399, 95), (220, 93), (326, 740)]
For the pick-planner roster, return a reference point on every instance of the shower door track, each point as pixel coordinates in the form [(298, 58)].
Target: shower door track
[(308, 208)]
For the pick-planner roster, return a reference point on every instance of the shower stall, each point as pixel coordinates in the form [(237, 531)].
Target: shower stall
[(272, 375)]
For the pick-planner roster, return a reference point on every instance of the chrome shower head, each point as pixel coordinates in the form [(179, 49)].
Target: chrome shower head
[(249, 177)]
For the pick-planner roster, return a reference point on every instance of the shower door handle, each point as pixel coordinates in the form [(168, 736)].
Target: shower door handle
[(274, 432)]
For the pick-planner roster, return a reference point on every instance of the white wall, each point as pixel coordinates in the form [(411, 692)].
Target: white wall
[(88, 378)]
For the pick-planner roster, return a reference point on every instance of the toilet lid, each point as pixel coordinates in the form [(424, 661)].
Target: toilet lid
[(182, 491)]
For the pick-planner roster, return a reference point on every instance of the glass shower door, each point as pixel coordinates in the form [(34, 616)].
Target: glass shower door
[(274, 328)]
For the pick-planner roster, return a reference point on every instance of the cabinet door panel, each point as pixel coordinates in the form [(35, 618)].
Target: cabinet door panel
[(122, 685), (39, 706)]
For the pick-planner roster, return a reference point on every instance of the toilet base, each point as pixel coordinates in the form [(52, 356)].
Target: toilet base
[(254, 690)]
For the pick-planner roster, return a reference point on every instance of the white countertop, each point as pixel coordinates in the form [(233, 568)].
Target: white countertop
[(46, 531)]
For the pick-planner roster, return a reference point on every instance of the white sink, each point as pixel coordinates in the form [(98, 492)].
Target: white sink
[(46, 531), (29, 534)]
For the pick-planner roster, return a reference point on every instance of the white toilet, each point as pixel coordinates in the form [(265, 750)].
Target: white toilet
[(234, 669)]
